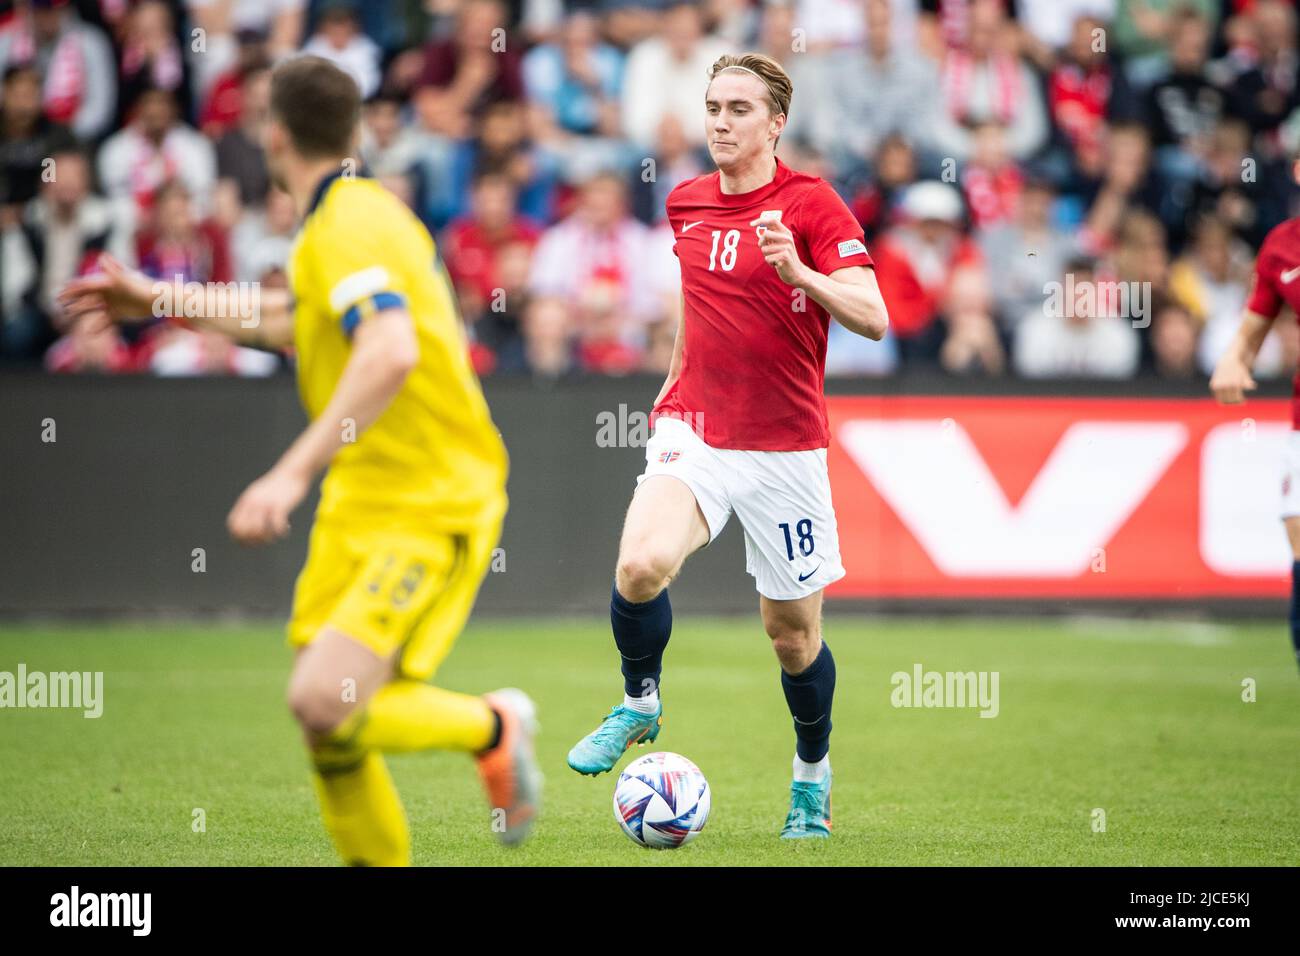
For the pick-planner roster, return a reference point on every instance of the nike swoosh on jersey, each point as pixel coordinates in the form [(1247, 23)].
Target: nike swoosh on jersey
[(687, 226), (1289, 276)]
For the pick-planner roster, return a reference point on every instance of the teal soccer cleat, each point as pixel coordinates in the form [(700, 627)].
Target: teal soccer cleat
[(599, 750), (810, 811)]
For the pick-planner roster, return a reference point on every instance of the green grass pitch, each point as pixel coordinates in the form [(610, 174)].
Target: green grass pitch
[(1144, 721)]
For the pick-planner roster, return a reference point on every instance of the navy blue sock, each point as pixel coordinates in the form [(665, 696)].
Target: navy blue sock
[(808, 695), (1295, 609), (641, 632)]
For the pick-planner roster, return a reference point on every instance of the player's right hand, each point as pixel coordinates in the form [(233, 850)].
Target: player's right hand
[(261, 515), (114, 294), (1231, 381)]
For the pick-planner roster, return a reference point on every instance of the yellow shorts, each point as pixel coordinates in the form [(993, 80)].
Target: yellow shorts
[(393, 591)]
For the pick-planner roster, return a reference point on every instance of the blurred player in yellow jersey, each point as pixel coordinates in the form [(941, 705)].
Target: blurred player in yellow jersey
[(414, 493)]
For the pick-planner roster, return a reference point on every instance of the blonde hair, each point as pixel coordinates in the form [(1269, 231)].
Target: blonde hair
[(777, 81)]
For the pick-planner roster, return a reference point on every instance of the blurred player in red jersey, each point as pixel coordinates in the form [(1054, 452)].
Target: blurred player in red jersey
[(1275, 284), (768, 256)]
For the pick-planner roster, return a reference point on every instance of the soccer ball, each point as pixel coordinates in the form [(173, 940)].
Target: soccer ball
[(661, 801)]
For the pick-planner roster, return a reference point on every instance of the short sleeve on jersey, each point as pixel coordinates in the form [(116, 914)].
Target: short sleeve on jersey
[(671, 215), (361, 294), (350, 263), (835, 240), (1265, 298)]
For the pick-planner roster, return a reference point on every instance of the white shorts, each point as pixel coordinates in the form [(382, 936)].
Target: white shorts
[(1291, 476), (782, 498)]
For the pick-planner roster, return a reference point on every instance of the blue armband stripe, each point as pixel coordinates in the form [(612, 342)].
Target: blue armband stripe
[(368, 307)]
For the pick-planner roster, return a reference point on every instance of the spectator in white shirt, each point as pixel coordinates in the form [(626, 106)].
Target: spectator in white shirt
[(338, 38), (1077, 336), (983, 82), (153, 149), (595, 284), (668, 73), (864, 94), (75, 60)]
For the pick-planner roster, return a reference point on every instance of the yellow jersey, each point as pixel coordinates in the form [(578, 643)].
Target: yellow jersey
[(433, 460)]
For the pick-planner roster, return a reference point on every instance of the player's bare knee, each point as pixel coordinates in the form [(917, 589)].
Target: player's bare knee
[(317, 707), (796, 645), (642, 574)]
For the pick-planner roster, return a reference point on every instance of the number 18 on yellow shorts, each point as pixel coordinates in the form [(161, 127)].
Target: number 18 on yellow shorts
[(393, 591)]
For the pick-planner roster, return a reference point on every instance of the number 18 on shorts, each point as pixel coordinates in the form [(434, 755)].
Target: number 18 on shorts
[(782, 499)]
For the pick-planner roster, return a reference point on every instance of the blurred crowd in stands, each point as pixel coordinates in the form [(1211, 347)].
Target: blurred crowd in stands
[(993, 150)]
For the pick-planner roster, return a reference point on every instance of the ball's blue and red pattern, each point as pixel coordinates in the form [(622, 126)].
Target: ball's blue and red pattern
[(662, 801)]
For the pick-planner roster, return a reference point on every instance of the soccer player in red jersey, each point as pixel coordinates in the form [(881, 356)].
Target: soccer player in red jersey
[(768, 256), (1276, 283)]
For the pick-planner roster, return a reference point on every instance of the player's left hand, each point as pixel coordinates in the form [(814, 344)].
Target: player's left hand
[(261, 515), (776, 242)]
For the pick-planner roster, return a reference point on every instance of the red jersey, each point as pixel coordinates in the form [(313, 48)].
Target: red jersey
[(1276, 282), (754, 355)]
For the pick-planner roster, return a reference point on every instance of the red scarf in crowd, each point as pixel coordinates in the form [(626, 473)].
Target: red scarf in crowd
[(1078, 100), (993, 195), (958, 75), (66, 77), (151, 167)]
